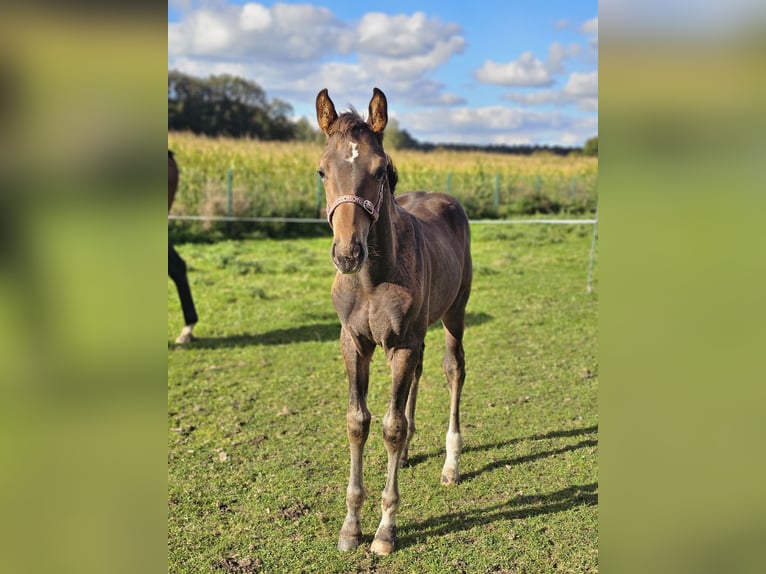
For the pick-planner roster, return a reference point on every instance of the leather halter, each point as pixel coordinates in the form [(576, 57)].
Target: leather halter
[(372, 209)]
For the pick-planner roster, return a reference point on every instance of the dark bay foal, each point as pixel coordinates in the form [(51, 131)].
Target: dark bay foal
[(403, 263)]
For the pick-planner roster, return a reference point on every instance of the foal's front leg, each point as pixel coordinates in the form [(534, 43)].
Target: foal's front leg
[(404, 363), (358, 428)]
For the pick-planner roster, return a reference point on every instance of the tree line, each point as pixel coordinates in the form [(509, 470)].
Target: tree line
[(228, 105)]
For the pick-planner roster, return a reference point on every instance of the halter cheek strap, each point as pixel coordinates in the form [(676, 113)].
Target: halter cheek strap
[(372, 209)]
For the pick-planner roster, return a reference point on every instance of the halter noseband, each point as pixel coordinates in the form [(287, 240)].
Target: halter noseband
[(372, 209)]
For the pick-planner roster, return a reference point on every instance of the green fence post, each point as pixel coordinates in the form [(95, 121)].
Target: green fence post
[(229, 202), (592, 253), (319, 196), (496, 196), (538, 185), (574, 188), (449, 181)]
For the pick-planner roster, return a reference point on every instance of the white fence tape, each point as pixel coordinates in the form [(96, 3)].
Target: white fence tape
[(312, 220), (593, 222)]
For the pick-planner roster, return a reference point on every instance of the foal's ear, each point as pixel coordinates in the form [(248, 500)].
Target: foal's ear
[(378, 117), (326, 114)]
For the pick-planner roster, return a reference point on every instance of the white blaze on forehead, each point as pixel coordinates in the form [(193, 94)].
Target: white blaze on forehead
[(354, 152)]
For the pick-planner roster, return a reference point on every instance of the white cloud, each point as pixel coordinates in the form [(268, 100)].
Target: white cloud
[(402, 46), (581, 90), (416, 64), (582, 85), (525, 71), (255, 17), (204, 68), (290, 32), (556, 56), (590, 27), (292, 49), (203, 33), (403, 36), (499, 125), (278, 34)]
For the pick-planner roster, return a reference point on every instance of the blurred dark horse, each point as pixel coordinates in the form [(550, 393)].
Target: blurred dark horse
[(177, 266), (403, 263)]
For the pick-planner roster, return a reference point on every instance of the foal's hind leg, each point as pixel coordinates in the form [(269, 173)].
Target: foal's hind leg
[(454, 370), (409, 410)]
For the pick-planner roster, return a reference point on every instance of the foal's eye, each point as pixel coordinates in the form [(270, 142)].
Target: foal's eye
[(321, 173), (380, 173)]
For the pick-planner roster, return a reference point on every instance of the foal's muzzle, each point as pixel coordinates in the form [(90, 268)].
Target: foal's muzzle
[(349, 259)]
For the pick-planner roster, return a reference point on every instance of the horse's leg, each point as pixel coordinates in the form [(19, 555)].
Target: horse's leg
[(409, 411), (358, 428), (454, 370), (404, 363), (177, 272)]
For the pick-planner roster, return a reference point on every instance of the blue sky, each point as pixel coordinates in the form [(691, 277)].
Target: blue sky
[(484, 73)]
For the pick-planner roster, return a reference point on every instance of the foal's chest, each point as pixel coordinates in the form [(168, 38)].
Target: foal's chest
[(380, 315)]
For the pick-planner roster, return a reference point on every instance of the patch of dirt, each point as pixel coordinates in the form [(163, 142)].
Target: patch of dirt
[(294, 511), (239, 565), (184, 430)]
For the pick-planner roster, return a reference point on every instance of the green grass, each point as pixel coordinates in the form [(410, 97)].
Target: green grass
[(257, 450)]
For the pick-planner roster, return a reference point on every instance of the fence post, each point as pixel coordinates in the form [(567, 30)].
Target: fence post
[(319, 196), (229, 199), (496, 196), (574, 188), (538, 185), (449, 181), (592, 252)]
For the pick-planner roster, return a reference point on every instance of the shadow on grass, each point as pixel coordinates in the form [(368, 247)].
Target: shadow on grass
[(471, 320), (417, 459), (516, 508), (328, 331), (322, 332), (465, 477)]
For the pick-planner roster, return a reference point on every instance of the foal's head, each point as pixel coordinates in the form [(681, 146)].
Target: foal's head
[(354, 169)]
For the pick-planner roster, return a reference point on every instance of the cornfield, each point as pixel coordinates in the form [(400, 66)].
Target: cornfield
[(276, 179)]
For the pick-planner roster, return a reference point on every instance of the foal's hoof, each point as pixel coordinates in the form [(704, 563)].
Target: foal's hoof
[(382, 547), (383, 544), (448, 479), (346, 543)]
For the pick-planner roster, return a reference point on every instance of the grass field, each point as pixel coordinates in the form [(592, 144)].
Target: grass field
[(257, 450)]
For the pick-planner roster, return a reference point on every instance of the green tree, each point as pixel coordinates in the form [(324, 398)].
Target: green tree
[(306, 132), (226, 105), (591, 147), (398, 138)]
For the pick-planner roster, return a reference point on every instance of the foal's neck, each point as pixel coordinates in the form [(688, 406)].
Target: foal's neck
[(382, 241)]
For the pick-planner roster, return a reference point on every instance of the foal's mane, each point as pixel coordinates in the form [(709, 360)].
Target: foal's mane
[(348, 122), (393, 175)]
